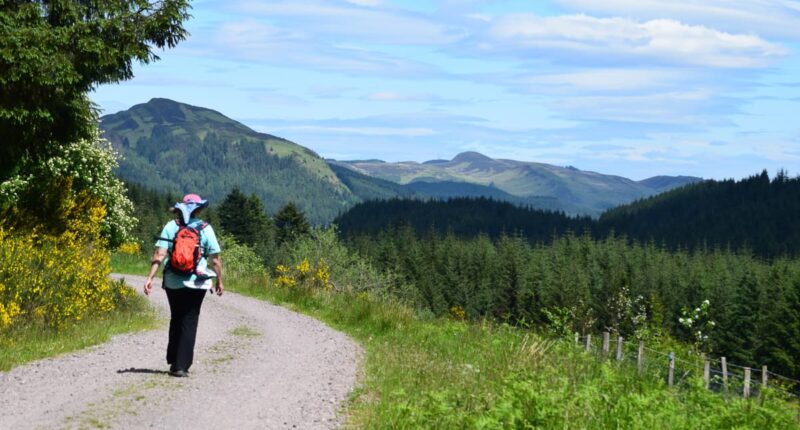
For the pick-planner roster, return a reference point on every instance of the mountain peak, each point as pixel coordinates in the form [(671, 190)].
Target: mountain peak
[(161, 100), (470, 157)]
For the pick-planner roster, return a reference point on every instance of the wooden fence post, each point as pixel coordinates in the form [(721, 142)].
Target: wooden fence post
[(577, 338), (605, 343), (619, 348), (764, 376), (671, 376), (588, 342), (746, 390), (707, 373), (640, 357), (724, 372)]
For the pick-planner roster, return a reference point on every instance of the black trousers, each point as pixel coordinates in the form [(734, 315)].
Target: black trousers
[(184, 307)]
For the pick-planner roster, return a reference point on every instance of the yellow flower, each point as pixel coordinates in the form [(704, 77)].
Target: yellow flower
[(322, 276), (303, 268), (458, 313), (285, 281), (130, 248)]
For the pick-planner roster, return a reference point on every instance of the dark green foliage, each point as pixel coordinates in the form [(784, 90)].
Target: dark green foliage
[(368, 187), (753, 213), (602, 285), (290, 224), (245, 219), (461, 216), (55, 52), (151, 208)]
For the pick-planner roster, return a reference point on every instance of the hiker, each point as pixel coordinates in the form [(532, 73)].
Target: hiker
[(189, 245)]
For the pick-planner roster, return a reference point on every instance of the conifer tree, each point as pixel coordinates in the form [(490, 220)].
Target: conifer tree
[(245, 219), (290, 223)]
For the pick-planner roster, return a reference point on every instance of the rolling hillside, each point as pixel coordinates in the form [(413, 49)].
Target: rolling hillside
[(567, 188), (179, 148)]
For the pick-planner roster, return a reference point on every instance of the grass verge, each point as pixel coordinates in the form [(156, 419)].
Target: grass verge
[(134, 264), (22, 344), (436, 373)]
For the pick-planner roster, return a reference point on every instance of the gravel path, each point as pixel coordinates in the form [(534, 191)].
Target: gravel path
[(256, 366)]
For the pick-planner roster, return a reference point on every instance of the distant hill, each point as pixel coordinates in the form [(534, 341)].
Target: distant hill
[(177, 148), (660, 184), (572, 190), (760, 214), (370, 188), (755, 214), (367, 187)]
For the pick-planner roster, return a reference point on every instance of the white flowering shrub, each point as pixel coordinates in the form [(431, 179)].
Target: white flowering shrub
[(698, 322), (90, 164)]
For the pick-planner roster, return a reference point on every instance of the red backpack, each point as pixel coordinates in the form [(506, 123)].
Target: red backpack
[(186, 253)]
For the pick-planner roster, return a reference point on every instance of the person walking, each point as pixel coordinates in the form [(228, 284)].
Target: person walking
[(185, 248)]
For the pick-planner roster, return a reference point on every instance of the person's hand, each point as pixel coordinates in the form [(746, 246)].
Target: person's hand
[(148, 286), (219, 288)]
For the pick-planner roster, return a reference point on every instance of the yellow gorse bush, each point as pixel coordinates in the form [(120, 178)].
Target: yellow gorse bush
[(284, 278), (57, 278), (304, 275), (129, 248), (458, 313), (303, 269)]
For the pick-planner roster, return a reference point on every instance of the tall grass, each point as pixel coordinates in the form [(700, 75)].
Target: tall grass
[(134, 264), (439, 373)]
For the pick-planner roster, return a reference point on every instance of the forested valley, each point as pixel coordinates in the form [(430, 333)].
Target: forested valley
[(539, 269)]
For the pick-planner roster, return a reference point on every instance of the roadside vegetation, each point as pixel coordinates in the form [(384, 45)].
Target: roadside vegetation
[(424, 370)]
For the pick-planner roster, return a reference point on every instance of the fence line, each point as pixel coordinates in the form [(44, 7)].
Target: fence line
[(720, 378)]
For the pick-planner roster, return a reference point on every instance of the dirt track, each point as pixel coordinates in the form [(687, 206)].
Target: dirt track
[(256, 366)]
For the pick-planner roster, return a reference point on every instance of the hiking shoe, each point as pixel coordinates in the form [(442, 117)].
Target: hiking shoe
[(178, 373)]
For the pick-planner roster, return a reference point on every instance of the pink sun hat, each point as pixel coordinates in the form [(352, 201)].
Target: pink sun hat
[(190, 203)]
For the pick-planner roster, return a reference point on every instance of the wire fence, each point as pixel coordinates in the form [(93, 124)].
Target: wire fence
[(718, 374)]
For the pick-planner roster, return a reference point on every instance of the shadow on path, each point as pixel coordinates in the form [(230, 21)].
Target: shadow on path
[(149, 371)]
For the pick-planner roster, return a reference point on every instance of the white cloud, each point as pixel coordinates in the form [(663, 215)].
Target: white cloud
[(342, 20), (265, 43), (394, 96), (364, 131), (391, 96), (603, 80), (687, 108), (370, 3), (570, 37), (779, 18)]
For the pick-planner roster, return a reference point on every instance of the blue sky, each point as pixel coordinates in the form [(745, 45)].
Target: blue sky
[(629, 87)]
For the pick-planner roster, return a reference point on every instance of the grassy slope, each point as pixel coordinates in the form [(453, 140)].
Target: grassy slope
[(447, 374)]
